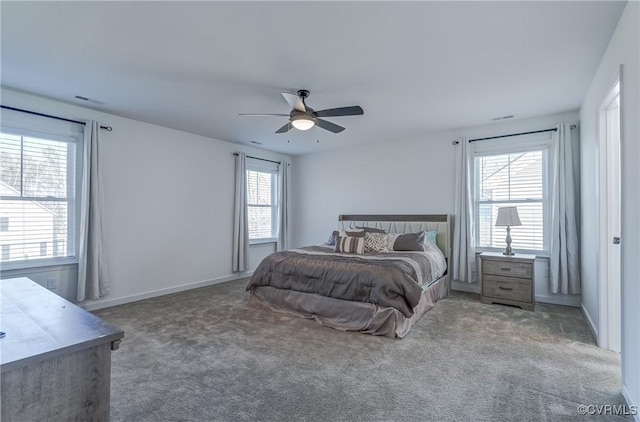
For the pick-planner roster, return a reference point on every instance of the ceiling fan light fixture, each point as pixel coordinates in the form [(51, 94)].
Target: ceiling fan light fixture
[(303, 122)]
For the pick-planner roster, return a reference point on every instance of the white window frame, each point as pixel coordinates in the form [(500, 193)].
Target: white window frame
[(44, 128), (273, 206), (515, 145)]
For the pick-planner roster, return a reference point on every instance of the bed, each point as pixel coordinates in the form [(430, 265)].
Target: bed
[(379, 293)]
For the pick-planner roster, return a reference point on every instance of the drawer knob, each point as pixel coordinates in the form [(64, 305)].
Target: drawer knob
[(505, 288), (505, 269)]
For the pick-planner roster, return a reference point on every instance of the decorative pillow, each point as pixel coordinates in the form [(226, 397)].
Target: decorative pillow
[(432, 236), (409, 242), (371, 229), (349, 244), (331, 241), (376, 242)]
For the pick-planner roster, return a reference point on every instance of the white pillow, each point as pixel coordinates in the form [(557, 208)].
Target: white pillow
[(438, 261)]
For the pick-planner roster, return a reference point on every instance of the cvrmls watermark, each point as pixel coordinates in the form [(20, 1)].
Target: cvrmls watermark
[(608, 409)]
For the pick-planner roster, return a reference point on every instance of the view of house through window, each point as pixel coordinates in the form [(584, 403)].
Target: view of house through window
[(37, 197), (515, 179), (261, 204)]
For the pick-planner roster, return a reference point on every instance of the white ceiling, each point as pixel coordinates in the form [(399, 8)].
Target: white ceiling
[(415, 67)]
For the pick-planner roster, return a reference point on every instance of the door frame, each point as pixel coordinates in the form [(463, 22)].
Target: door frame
[(606, 334)]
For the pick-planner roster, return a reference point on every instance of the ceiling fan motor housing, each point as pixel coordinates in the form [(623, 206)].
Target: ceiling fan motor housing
[(303, 93), (305, 119)]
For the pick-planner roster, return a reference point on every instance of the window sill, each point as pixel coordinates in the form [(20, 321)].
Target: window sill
[(37, 265), (258, 242), (538, 254)]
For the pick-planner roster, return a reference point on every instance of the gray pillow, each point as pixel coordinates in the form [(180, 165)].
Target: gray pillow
[(409, 242), (371, 230), (353, 233)]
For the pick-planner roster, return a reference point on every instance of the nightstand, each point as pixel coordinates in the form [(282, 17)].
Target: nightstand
[(507, 279)]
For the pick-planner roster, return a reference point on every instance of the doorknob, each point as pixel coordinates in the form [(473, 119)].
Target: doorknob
[(616, 240)]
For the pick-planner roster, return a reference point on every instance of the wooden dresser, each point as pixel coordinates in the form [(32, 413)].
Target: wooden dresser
[(55, 358), (507, 279)]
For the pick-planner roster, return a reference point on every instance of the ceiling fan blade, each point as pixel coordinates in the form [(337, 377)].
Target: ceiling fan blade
[(262, 114), (340, 111), (331, 127), (284, 129), (294, 101)]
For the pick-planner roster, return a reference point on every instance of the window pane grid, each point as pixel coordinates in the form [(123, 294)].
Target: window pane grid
[(261, 205), (258, 188), (260, 222), (529, 236), (511, 180), (36, 197)]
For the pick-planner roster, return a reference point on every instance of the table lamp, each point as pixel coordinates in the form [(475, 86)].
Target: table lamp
[(508, 216)]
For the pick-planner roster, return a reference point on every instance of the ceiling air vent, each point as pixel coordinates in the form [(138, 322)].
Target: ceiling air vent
[(89, 100)]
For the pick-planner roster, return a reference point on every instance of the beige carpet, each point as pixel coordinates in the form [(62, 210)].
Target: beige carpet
[(205, 355)]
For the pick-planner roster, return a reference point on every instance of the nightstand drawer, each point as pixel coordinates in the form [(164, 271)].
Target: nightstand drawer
[(506, 268), (506, 288)]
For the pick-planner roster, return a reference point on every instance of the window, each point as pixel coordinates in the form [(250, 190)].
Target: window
[(516, 178), (38, 183), (261, 204)]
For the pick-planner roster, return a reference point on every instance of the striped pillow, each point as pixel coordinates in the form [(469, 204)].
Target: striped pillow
[(349, 244)]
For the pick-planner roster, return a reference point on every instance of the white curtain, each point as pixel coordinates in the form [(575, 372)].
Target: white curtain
[(464, 249), (240, 219), (93, 277), (564, 259), (283, 206)]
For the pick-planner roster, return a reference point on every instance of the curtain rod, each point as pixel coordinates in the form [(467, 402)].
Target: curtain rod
[(261, 159), (514, 134), (107, 128)]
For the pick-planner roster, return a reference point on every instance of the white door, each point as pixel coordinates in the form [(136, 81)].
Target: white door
[(609, 220)]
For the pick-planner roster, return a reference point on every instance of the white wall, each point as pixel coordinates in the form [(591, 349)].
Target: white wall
[(168, 206), (396, 177), (623, 49)]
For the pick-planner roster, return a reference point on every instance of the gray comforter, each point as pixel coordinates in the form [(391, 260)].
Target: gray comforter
[(391, 279)]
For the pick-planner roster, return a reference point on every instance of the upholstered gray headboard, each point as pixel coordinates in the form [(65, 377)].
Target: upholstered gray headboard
[(405, 224)]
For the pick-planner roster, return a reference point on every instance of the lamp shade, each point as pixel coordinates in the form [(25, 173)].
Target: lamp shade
[(508, 216)]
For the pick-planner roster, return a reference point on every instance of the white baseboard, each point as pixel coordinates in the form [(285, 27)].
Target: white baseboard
[(590, 323), (93, 305), (630, 403), (462, 286), (564, 300)]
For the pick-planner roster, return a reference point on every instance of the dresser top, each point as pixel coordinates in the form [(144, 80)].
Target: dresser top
[(499, 255), (39, 324)]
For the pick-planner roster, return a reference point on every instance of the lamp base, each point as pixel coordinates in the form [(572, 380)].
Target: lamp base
[(508, 251)]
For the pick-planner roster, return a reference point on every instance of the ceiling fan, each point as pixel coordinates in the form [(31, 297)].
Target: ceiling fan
[(303, 117)]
